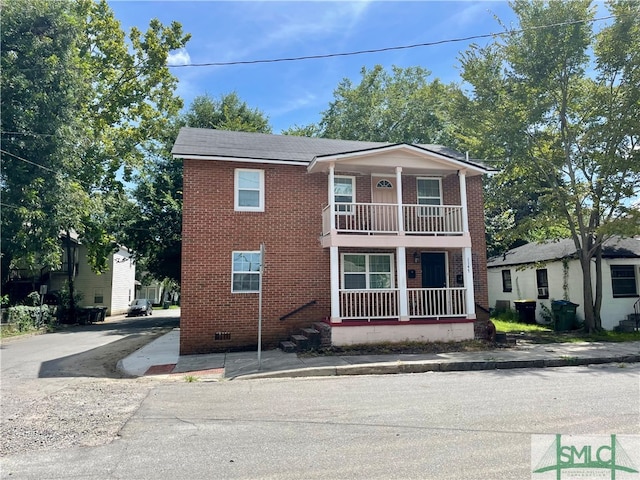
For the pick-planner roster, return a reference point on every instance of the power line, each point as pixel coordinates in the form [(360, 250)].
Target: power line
[(388, 49), (29, 134), (28, 161)]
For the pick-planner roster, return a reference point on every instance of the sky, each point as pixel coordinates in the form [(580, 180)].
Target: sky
[(297, 92)]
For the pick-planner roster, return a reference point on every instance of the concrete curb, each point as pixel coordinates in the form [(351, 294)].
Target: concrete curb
[(398, 367)]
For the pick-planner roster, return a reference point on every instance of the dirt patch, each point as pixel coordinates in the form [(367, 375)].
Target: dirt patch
[(78, 400), (405, 348)]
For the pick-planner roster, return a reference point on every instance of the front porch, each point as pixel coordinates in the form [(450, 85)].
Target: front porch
[(396, 225)]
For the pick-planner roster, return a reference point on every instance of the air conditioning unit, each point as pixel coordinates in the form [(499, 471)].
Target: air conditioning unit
[(543, 291)]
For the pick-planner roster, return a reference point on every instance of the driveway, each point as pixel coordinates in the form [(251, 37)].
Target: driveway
[(63, 389)]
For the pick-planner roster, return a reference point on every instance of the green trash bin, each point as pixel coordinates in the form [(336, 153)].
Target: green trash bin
[(526, 311), (564, 314)]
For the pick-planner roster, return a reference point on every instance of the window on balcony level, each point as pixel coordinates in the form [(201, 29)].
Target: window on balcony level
[(429, 193), (344, 189)]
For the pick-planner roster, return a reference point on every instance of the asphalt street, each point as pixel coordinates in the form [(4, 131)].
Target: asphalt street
[(472, 425)]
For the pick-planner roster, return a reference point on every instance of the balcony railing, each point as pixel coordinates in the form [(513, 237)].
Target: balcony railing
[(384, 303), (357, 218)]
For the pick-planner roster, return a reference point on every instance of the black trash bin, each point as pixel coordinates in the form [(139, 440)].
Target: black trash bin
[(526, 311), (564, 315)]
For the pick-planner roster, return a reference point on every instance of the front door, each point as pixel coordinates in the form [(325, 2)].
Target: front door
[(434, 270), (384, 192)]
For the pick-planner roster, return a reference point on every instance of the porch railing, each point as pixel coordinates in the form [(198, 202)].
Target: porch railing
[(384, 303), (369, 304), (437, 302), (383, 218)]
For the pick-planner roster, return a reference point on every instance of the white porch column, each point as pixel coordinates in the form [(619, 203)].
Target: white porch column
[(399, 200), (331, 194), (467, 275), (462, 176), (335, 285), (401, 268)]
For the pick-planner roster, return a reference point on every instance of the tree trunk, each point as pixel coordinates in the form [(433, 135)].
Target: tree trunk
[(589, 311), (598, 298)]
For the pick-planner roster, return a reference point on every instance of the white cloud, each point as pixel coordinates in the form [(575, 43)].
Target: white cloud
[(179, 57)]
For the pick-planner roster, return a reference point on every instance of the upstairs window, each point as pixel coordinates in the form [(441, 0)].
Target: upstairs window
[(429, 193), (249, 190), (623, 281), (384, 184), (506, 281), (542, 281), (344, 193)]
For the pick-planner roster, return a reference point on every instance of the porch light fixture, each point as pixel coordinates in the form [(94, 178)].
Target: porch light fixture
[(416, 257)]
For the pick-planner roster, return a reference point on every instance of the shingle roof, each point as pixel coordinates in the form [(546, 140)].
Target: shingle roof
[(615, 247), (205, 142)]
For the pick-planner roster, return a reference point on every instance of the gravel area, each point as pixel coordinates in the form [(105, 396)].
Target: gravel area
[(84, 402), (80, 412)]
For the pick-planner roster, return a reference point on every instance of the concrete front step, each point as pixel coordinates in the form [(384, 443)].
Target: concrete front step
[(317, 336), (288, 347), (302, 342), (313, 335)]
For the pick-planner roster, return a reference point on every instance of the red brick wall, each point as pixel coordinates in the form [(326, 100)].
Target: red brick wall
[(296, 267)]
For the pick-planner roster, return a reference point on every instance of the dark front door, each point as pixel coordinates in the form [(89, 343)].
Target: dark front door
[(434, 273)]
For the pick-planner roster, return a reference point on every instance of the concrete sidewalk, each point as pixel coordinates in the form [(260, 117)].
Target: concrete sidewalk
[(162, 357)]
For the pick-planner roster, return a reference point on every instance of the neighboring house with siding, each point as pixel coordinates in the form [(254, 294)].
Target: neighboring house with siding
[(551, 271), (153, 291), (114, 289), (381, 242)]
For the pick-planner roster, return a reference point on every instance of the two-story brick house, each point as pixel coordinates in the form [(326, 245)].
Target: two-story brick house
[(384, 242)]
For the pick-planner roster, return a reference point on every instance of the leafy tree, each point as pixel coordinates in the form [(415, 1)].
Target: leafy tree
[(566, 123), (154, 220), (79, 99), (227, 112), (400, 106)]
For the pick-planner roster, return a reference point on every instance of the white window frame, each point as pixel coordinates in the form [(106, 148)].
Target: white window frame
[(367, 271), (237, 189), (615, 280), (428, 212), (244, 272), (345, 208)]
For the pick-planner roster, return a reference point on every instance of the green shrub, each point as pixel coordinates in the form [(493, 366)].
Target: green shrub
[(26, 318)]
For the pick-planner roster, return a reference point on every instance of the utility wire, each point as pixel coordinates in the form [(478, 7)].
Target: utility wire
[(388, 49), (28, 161)]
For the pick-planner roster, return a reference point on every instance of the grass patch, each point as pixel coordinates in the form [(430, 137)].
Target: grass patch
[(515, 327), (545, 334), (191, 378)]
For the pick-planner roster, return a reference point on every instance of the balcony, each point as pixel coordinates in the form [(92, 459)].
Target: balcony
[(381, 219)]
